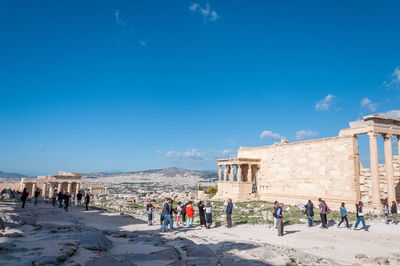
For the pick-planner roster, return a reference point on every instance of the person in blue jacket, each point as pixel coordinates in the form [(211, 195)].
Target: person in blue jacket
[(229, 209), (343, 214)]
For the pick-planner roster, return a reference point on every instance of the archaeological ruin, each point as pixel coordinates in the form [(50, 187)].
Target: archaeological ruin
[(69, 182), (329, 168)]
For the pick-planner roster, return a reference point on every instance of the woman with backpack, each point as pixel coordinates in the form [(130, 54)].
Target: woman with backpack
[(322, 213), (343, 214), (360, 216), (386, 211), (183, 214), (208, 210), (309, 212), (149, 209)]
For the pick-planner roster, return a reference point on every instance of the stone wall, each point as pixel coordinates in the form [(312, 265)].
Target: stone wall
[(294, 172), (14, 186), (365, 181)]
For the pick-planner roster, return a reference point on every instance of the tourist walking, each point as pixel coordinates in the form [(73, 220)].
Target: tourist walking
[(66, 201), (60, 198), (360, 216), (229, 209), (343, 214), (386, 211), (166, 212), (322, 213), (309, 212), (393, 211), (274, 214), (189, 213), (279, 217), (202, 214), (87, 201), (79, 199), (208, 210), (54, 197), (183, 214), (149, 209), (23, 197), (37, 193), (178, 212)]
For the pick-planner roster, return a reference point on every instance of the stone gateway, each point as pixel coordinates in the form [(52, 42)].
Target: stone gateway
[(328, 168)]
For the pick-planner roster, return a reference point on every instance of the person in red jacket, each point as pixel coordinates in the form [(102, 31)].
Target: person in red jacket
[(189, 213)]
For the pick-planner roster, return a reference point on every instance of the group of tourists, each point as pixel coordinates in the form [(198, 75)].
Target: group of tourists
[(324, 210), (63, 197), (184, 214)]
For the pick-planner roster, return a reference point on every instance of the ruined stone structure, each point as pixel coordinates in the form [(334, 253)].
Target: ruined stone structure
[(66, 181), (328, 168), (96, 188)]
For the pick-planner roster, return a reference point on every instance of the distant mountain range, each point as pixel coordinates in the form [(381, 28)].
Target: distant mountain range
[(170, 172), (11, 175)]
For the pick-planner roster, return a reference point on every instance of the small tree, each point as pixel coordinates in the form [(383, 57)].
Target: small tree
[(211, 190), (200, 188)]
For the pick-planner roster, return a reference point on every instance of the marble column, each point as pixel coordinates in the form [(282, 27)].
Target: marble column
[(398, 146), (373, 155), (389, 168), (219, 172), (232, 173), (51, 190), (59, 187), (239, 173), (78, 187), (33, 189), (249, 174), (69, 187), (44, 190), (226, 173)]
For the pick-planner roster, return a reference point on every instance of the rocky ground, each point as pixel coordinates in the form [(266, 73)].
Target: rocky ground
[(45, 235)]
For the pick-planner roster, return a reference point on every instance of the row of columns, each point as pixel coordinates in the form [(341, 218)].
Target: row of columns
[(52, 188), (229, 172), (373, 152)]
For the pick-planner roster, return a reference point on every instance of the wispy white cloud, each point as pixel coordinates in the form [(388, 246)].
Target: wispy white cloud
[(194, 154), (232, 142), (271, 135), (41, 148), (368, 104), (394, 80), (325, 103), (142, 42), (206, 12), (392, 113), (117, 19), (305, 134)]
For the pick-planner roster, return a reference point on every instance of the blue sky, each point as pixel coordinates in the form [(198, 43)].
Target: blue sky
[(130, 85)]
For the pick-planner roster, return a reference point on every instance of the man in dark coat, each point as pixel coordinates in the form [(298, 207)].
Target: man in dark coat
[(23, 197)]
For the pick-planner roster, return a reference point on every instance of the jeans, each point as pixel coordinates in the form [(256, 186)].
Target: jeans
[(167, 219), (78, 202), (229, 219), (280, 227), (60, 205), (323, 219), (36, 198), (361, 219), (310, 220), (344, 218), (189, 222)]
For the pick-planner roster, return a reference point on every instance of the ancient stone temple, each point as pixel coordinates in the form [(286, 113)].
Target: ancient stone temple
[(328, 168), (66, 181)]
